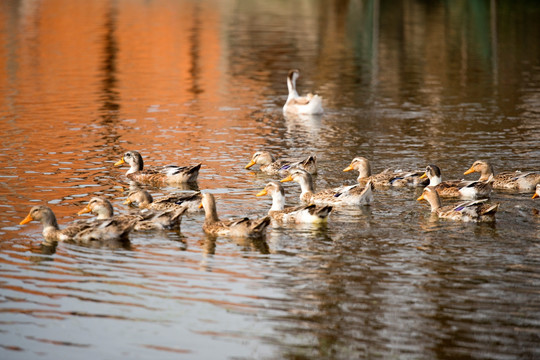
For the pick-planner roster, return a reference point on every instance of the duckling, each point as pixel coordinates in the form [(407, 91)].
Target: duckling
[(145, 220), (270, 165), (525, 181), (242, 227), (103, 232), (298, 214), (345, 195), (474, 210), (142, 199), (162, 175), (296, 104), (386, 178), (457, 188)]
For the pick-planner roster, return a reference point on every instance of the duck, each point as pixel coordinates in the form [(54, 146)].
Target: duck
[(537, 192), (472, 210), (242, 227), (142, 199), (517, 180), (386, 178), (457, 188), (84, 233), (270, 165), (144, 220), (169, 174), (354, 195), (297, 214), (296, 104)]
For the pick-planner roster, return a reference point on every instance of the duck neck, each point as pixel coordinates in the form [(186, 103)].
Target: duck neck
[(291, 85), (486, 173), (211, 215), (435, 202), (278, 201), (364, 173), (434, 180), (306, 185)]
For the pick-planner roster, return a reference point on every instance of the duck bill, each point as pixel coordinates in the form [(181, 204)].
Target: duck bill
[(262, 192), (120, 162), (535, 195), (470, 171), (127, 202), (420, 198), (84, 211), (26, 220), (288, 178), (251, 163), (348, 168), (423, 176), (200, 206)]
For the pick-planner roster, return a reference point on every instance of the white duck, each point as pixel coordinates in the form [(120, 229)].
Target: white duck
[(296, 104)]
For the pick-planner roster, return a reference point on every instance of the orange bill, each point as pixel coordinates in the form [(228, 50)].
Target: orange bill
[(200, 206), (26, 220), (87, 209), (120, 162), (470, 171), (535, 195), (420, 198), (423, 176), (262, 192), (251, 163), (288, 178)]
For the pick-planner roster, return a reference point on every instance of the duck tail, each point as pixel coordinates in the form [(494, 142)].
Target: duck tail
[(261, 224), (491, 210)]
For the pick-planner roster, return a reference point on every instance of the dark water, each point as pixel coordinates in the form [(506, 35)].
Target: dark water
[(404, 84)]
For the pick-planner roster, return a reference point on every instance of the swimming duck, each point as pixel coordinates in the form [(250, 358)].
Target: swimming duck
[(296, 104), (506, 180), (242, 227), (145, 220), (169, 174), (298, 214), (537, 193), (457, 188), (105, 231), (142, 199), (270, 165), (345, 195), (474, 210), (386, 178)]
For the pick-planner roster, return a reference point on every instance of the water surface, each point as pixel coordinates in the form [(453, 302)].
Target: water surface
[(404, 84)]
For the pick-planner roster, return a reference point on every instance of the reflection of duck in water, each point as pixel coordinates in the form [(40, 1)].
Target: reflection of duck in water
[(145, 220), (296, 104), (354, 195), (270, 165), (169, 174), (506, 180), (475, 210), (297, 214), (457, 188), (242, 227), (101, 232)]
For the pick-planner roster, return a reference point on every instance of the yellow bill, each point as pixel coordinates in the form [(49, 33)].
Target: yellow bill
[(288, 178), (262, 192), (251, 163), (120, 162), (26, 220)]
